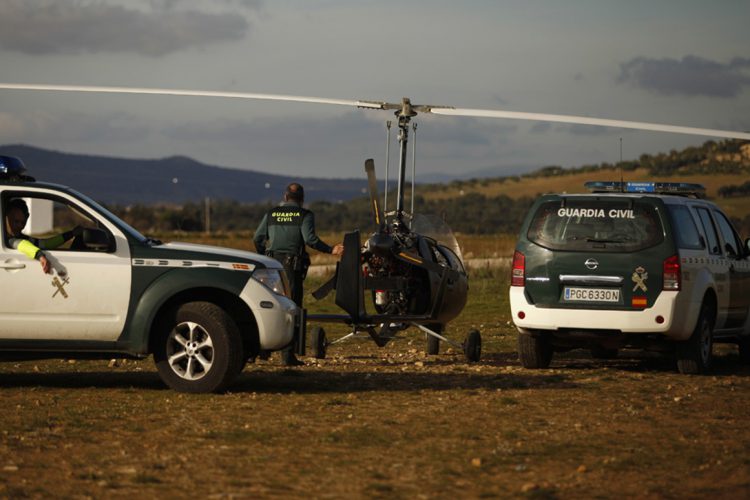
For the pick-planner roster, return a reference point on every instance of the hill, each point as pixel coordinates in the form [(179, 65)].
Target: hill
[(169, 180)]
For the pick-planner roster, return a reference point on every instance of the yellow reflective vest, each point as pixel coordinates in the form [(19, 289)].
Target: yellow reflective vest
[(31, 247)]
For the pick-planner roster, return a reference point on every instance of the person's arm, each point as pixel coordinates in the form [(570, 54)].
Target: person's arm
[(31, 251), (261, 235), (311, 239)]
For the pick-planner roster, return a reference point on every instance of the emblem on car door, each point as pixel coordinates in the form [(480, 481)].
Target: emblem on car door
[(591, 264), (60, 286)]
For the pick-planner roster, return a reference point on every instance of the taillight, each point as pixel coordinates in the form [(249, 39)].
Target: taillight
[(518, 272), (672, 274)]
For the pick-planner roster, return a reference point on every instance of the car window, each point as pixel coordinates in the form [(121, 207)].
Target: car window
[(709, 230), (604, 225), (732, 244), (683, 225), (51, 220)]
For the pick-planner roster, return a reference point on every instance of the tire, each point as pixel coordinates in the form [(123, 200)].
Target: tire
[(198, 349), (694, 356), (534, 351), (599, 352), (318, 342), (433, 343), (473, 346)]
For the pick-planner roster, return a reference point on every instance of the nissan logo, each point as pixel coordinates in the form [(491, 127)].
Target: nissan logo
[(591, 264)]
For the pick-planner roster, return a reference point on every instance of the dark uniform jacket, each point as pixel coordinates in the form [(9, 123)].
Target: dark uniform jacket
[(286, 229)]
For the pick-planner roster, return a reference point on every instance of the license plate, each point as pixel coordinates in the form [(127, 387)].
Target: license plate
[(574, 294)]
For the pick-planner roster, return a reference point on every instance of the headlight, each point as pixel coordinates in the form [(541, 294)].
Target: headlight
[(273, 279)]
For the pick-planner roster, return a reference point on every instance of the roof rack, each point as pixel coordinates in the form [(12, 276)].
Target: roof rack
[(676, 188)]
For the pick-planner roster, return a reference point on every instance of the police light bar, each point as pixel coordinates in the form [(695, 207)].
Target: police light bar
[(682, 188), (12, 168)]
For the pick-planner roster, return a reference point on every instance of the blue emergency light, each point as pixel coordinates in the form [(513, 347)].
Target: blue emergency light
[(11, 167), (679, 188)]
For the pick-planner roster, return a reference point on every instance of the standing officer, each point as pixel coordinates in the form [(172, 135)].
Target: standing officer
[(282, 235)]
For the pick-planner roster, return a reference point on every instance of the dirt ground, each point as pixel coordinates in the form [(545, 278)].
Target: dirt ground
[(384, 423), (369, 422)]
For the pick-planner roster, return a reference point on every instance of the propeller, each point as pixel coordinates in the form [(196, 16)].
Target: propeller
[(372, 184), (404, 109)]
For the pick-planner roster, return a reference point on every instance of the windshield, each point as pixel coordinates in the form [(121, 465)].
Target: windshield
[(124, 226), (615, 225), (434, 227)]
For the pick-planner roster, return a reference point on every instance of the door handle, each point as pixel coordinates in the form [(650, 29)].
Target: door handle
[(12, 265)]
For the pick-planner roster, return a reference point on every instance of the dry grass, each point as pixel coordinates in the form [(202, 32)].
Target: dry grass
[(383, 423)]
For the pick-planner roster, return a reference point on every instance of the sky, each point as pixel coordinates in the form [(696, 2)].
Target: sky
[(681, 62)]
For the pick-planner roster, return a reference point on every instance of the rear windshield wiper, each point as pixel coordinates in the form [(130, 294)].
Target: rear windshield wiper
[(595, 240)]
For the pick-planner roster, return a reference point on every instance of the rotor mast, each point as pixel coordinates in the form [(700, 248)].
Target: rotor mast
[(404, 115)]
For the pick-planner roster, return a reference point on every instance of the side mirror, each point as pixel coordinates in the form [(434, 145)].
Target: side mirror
[(97, 240)]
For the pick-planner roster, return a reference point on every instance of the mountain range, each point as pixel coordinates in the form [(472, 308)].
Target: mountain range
[(174, 179)]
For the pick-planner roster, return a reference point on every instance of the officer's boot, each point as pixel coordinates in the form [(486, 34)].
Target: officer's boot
[(289, 359)]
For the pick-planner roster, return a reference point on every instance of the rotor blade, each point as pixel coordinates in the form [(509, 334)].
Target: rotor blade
[(373, 185), (198, 93), (583, 120), (436, 110)]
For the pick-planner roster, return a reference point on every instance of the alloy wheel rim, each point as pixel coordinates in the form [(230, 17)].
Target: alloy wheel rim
[(190, 351)]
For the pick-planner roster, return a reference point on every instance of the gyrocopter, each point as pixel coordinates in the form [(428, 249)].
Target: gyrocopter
[(409, 271)]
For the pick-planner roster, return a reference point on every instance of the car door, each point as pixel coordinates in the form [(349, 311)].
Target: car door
[(86, 296), (739, 272)]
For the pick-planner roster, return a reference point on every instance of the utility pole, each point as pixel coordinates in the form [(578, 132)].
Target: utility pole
[(208, 215)]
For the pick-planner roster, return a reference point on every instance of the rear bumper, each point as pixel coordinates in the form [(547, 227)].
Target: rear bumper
[(674, 326)]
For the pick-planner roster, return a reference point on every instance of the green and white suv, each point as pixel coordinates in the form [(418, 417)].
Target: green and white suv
[(644, 265), (201, 311)]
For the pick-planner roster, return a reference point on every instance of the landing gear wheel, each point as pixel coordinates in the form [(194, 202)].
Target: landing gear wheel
[(534, 351), (695, 354), (198, 348), (433, 343), (318, 342), (473, 346)]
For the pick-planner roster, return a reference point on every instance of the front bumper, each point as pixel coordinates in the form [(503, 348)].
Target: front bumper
[(277, 317)]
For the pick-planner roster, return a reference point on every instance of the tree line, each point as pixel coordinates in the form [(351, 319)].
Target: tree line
[(474, 214)]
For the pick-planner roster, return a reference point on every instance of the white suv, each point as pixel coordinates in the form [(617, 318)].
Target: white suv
[(201, 311)]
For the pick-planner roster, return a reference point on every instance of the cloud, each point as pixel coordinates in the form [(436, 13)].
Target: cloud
[(69, 27), (691, 76)]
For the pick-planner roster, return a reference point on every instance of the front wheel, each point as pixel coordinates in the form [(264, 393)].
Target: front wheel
[(198, 348), (534, 351), (433, 343), (318, 342), (694, 355)]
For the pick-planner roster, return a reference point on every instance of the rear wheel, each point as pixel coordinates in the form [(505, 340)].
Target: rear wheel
[(534, 351), (198, 348), (694, 356)]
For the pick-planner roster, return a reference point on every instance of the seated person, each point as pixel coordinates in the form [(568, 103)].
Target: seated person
[(16, 215)]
